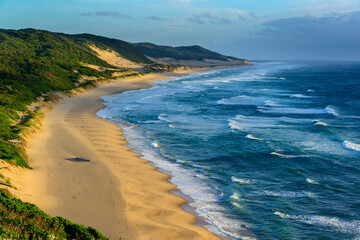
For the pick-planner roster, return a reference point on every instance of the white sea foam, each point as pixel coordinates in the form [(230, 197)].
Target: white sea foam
[(318, 122), (235, 196), (311, 181), (288, 156), (299, 96), (155, 144), (289, 110), (282, 215), (332, 222), (286, 194), (259, 124), (239, 180), (250, 136), (351, 146), (310, 90), (164, 117), (242, 100), (190, 183), (233, 123), (270, 103), (331, 110)]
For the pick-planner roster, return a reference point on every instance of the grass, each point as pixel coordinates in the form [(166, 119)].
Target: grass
[(21, 220)]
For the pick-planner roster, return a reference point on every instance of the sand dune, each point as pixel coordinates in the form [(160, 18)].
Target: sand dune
[(115, 59)]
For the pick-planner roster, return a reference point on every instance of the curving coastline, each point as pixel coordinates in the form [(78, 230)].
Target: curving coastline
[(116, 191)]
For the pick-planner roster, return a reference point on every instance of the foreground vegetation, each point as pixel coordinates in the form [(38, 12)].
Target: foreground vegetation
[(20, 220)]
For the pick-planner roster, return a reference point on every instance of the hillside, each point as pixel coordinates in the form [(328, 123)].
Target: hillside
[(33, 63), (192, 53)]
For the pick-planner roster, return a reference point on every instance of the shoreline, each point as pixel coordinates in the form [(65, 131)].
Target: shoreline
[(124, 204)]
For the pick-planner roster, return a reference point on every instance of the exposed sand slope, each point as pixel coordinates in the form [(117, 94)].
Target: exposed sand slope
[(116, 192), (114, 59)]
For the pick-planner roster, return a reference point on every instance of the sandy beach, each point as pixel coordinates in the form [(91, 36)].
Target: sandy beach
[(116, 191)]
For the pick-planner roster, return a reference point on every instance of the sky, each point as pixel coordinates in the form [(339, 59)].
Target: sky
[(252, 29)]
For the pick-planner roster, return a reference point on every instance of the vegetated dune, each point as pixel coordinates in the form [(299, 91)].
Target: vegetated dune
[(115, 59)]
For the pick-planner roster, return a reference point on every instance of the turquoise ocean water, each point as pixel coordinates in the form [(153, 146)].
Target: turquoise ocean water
[(270, 151)]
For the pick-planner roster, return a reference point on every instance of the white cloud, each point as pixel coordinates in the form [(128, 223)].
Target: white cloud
[(220, 16), (321, 7)]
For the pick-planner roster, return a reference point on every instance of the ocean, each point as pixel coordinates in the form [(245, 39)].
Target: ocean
[(269, 151)]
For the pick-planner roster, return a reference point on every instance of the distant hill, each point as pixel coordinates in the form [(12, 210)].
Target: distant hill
[(194, 53)]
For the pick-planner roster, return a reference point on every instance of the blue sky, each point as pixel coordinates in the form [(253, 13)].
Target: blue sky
[(253, 29)]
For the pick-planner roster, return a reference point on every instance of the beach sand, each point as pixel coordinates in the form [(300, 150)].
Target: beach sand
[(115, 192)]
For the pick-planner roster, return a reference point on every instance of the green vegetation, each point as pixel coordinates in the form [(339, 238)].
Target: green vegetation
[(32, 63), (182, 53), (20, 220)]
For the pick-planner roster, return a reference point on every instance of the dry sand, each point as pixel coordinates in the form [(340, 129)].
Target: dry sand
[(116, 191), (114, 59)]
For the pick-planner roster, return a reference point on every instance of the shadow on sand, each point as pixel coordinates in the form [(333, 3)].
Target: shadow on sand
[(78, 159)]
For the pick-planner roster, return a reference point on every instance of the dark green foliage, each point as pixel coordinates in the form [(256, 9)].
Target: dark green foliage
[(20, 220), (125, 49), (181, 53), (9, 152), (160, 68)]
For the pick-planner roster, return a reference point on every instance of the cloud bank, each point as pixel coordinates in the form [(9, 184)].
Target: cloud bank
[(106, 14)]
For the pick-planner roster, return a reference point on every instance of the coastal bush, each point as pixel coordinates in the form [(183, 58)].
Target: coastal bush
[(20, 220), (182, 53)]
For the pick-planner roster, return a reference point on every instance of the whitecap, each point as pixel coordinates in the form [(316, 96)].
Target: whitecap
[(299, 96), (155, 144), (250, 136), (331, 110), (351, 146), (288, 156), (235, 196), (239, 180), (236, 204), (318, 122), (233, 124), (333, 222), (311, 181), (241, 100), (310, 90), (270, 103), (164, 117), (286, 194), (282, 215), (289, 110)]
